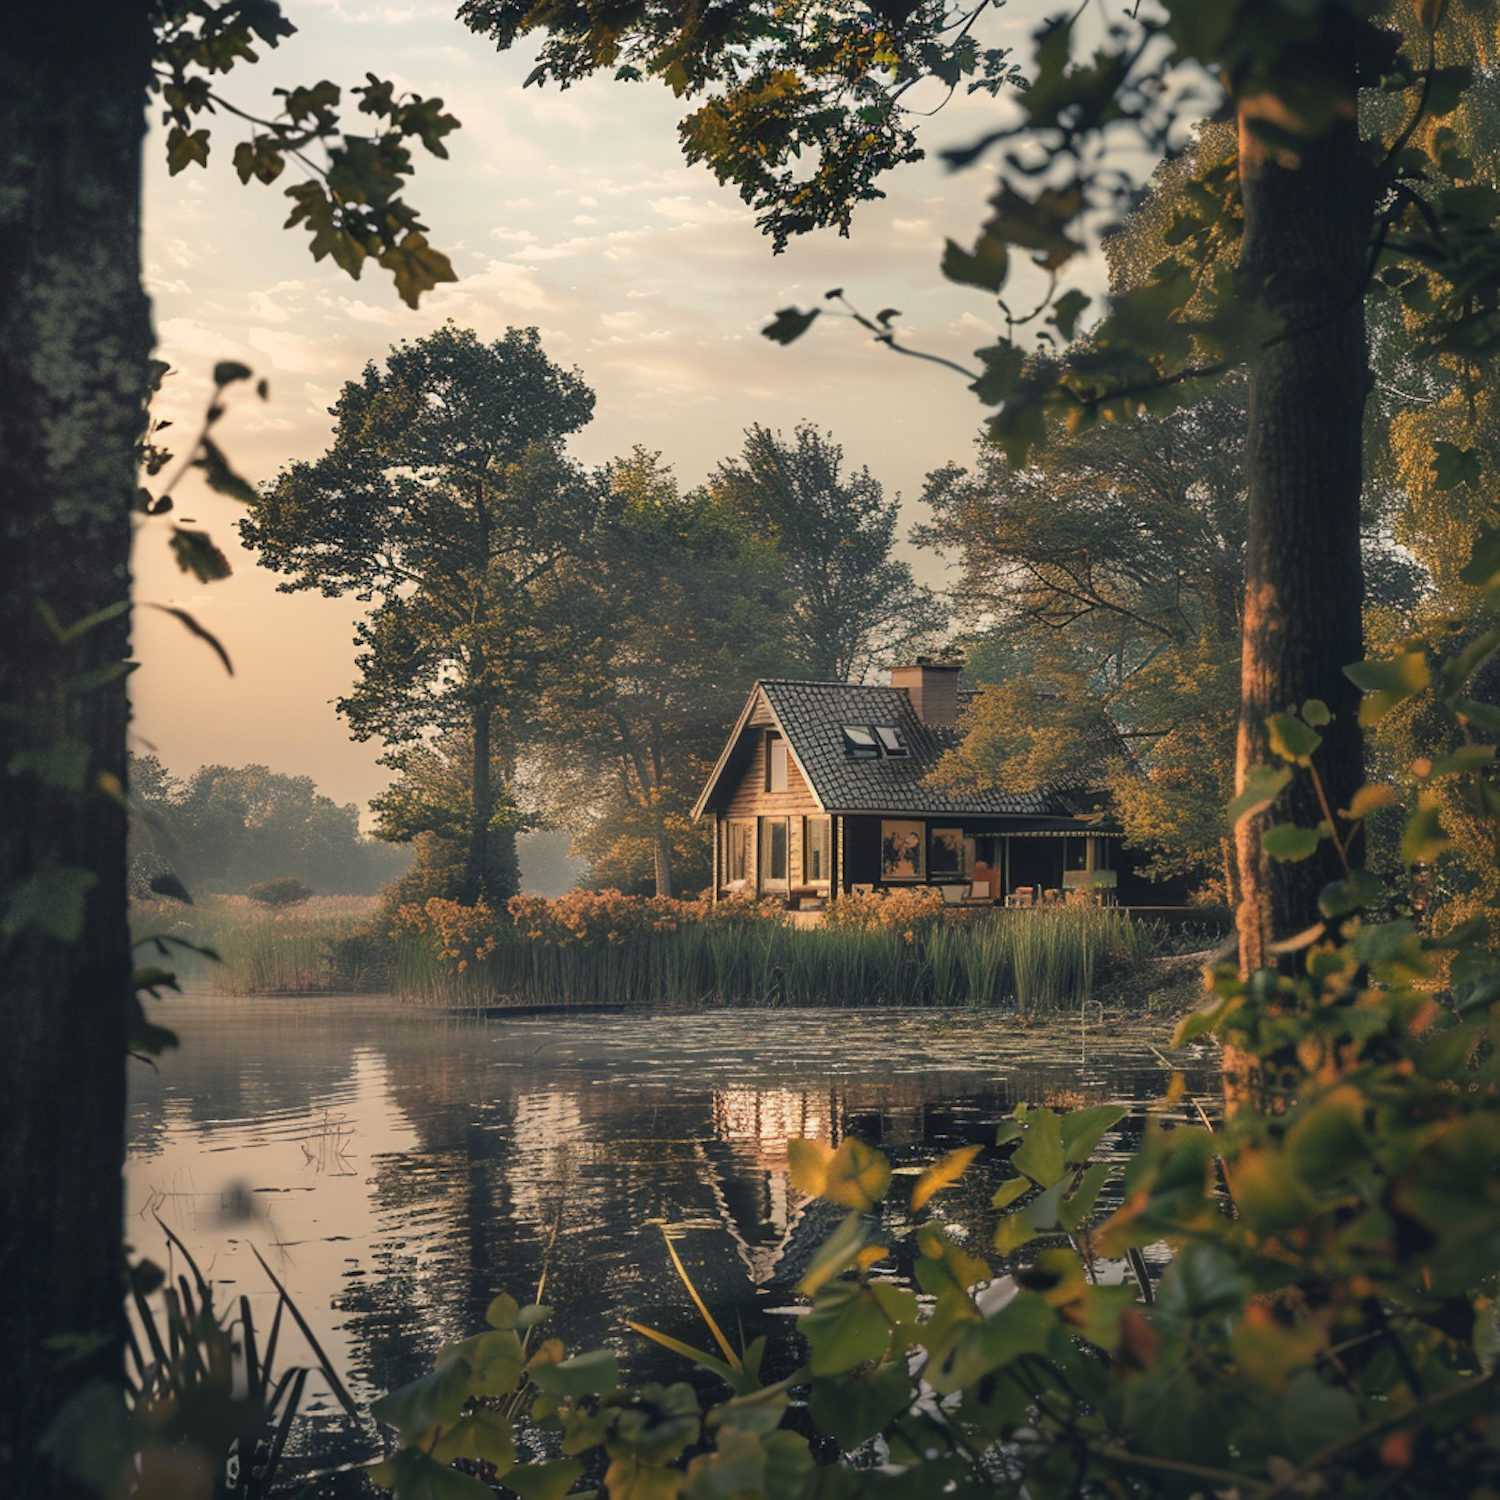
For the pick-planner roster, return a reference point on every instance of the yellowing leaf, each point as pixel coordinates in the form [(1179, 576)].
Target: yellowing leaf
[(855, 1176), (942, 1173), (1425, 837), (1293, 740), (1370, 796)]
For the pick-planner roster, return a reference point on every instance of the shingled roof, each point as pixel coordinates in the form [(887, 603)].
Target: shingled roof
[(813, 716)]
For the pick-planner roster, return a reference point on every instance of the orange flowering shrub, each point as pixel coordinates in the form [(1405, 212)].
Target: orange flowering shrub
[(599, 916), (904, 907), (460, 934)]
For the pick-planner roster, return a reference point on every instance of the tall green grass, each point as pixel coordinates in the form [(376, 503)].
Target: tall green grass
[(1034, 961), (326, 945)]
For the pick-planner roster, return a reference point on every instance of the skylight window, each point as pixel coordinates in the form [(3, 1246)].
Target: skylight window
[(890, 739), (859, 743)]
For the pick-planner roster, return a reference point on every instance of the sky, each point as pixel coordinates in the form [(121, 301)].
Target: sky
[(569, 210)]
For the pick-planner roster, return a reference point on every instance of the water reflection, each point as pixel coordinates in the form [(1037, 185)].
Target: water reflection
[(398, 1167)]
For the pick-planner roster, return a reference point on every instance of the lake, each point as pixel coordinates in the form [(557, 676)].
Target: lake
[(398, 1166)]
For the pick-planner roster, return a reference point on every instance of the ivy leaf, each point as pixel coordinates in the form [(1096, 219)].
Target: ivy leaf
[(1067, 311), (1388, 683), (197, 554), (845, 1328), (220, 476), (423, 1406), (1337, 899), (1293, 740), (189, 624), (416, 267), (789, 325), (186, 149), (1083, 1129), (544, 1481), (583, 1375), (853, 1408), (986, 266), (1453, 466), (1003, 364), (1040, 1154), (855, 1176), (1484, 559), (1424, 837), (53, 900), (1288, 843), (1263, 784)]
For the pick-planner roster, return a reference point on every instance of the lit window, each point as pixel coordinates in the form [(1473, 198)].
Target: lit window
[(890, 740), (775, 842), (816, 845), (775, 763), (859, 743), (738, 856)]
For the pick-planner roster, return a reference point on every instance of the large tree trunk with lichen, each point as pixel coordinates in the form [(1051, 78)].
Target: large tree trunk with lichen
[(1306, 227), (74, 343)]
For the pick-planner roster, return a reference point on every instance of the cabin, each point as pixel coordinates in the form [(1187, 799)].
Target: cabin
[(822, 790)]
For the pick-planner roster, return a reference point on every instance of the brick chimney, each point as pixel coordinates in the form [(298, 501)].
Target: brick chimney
[(932, 687)]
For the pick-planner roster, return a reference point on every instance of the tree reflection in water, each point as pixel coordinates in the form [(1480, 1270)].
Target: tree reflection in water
[(399, 1166)]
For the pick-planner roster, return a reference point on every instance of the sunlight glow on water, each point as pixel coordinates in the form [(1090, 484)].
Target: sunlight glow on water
[(398, 1167)]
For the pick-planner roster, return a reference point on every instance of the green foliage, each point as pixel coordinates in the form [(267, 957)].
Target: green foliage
[(1113, 571), (351, 203), (226, 828), (282, 892), (656, 627), (802, 106), (445, 501), (204, 1411), (851, 603)]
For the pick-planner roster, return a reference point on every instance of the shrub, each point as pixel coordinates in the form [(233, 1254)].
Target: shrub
[(286, 891), (899, 909)]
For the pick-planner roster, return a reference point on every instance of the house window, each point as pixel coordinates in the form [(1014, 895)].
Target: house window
[(775, 853), (775, 763), (859, 743), (890, 739), (901, 850), (738, 846), (945, 856), (817, 845)]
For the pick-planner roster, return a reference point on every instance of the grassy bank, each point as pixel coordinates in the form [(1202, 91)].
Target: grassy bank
[(605, 949), (675, 955), (330, 944)]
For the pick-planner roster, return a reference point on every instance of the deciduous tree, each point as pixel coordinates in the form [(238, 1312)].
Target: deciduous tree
[(656, 632), (851, 602), (445, 498)]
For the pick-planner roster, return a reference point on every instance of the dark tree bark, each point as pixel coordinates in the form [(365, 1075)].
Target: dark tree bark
[(1307, 224), (75, 339), (477, 875)]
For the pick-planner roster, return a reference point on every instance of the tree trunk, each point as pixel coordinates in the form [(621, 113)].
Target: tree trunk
[(482, 803), (75, 339), (662, 851), (1307, 224)]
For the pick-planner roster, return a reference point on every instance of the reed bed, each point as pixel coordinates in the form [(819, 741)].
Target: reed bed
[(329, 944), (1035, 961)]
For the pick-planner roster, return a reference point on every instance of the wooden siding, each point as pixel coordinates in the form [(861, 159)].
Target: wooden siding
[(750, 802), (750, 799)]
